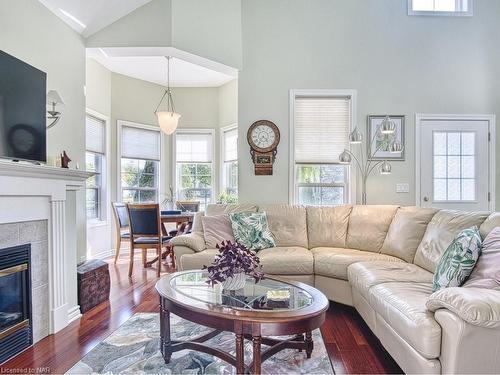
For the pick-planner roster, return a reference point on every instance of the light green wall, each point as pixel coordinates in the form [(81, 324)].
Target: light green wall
[(208, 28), (228, 103), (30, 32), (98, 87), (398, 65), (147, 26)]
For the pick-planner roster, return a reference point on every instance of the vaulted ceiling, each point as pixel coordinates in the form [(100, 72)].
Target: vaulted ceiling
[(89, 16)]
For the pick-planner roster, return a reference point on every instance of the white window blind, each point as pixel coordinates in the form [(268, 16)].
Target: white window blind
[(138, 143), (231, 145), (321, 126), (95, 135), (194, 148)]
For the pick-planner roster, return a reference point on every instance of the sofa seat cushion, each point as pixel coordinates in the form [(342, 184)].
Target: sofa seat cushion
[(402, 306), (333, 261), (364, 275), (196, 261), (286, 261)]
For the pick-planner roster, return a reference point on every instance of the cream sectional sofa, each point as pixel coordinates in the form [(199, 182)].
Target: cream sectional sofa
[(380, 259)]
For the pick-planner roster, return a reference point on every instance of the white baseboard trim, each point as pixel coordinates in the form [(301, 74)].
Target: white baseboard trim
[(104, 254), (74, 313)]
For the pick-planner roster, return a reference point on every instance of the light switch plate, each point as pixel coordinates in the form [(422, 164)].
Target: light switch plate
[(402, 188)]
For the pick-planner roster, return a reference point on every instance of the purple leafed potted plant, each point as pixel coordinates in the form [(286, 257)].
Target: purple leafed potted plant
[(231, 266)]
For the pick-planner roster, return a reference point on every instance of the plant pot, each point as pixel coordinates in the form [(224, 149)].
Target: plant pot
[(234, 283)]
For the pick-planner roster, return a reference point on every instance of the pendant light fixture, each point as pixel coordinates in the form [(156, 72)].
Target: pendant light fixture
[(169, 119)]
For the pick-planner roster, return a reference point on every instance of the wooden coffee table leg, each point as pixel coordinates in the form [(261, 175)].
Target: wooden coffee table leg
[(256, 354), (309, 344), (165, 341), (240, 354)]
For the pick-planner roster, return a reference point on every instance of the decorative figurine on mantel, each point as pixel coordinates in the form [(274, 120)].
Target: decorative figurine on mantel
[(65, 160)]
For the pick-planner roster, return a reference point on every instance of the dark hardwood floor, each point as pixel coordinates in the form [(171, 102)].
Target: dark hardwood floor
[(351, 345)]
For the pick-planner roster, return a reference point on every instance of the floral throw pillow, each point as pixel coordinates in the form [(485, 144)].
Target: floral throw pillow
[(252, 230), (458, 260)]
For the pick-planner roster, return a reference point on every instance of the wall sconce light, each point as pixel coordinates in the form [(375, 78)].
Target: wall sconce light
[(53, 100)]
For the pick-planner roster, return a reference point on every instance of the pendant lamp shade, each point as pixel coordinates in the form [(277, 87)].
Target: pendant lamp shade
[(168, 119)]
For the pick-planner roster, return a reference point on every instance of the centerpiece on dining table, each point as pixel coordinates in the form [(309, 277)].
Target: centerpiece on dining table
[(232, 265)]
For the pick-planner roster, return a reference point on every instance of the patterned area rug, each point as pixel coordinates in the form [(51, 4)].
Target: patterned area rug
[(134, 349)]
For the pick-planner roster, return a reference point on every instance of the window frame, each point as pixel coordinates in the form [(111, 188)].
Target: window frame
[(468, 13), (351, 195), (161, 159), (214, 160), (222, 163), (105, 191)]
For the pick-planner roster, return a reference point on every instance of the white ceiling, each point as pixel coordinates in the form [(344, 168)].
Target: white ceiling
[(89, 16), (151, 66)]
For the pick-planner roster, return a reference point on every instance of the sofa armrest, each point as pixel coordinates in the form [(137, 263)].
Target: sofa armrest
[(476, 306), (192, 240)]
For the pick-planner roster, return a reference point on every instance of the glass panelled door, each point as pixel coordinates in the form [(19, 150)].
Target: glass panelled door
[(454, 164)]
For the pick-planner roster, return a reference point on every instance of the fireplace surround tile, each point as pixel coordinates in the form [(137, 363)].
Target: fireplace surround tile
[(40, 317), (33, 231), (40, 264), (9, 234)]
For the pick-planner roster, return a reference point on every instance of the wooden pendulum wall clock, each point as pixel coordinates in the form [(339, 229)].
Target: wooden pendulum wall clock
[(263, 137)]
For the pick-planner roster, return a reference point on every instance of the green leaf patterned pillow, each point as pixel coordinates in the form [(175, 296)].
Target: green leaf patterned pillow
[(458, 260), (252, 230)]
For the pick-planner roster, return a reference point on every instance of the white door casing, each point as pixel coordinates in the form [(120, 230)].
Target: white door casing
[(455, 161)]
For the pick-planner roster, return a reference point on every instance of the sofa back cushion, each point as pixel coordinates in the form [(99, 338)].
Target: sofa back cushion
[(489, 224), (440, 232), (221, 209), (406, 232), (197, 223), (327, 226), (217, 229), (288, 224), (368, 227)]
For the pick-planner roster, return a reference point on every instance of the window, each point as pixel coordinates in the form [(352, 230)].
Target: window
[(193, 166), (440, 7), (140, 163), (229, 173), (95, 138), (321, 124), (454, 166)]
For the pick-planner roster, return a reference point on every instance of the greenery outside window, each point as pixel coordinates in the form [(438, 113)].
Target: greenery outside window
[(95, 138), (321, 185), (139, 180), (229, 185), (93, 163), (139, 163), (194, 166)]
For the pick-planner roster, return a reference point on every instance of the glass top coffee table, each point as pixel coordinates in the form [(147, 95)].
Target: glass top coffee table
[(270, 307)]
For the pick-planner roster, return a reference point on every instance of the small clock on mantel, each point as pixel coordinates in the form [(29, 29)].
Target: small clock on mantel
[(263, 137)]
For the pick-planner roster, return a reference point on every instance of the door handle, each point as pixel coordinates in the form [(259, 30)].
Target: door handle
[(426, 199)]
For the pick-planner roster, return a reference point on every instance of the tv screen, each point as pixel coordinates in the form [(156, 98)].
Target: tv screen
[(22, 110)]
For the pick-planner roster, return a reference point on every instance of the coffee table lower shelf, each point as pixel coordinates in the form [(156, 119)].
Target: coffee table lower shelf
[(301, 342)]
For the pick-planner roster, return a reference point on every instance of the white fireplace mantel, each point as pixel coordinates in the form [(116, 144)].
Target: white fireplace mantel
[(39, 192)]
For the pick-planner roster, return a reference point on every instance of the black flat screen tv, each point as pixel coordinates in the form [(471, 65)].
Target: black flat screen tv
[(22, 110)]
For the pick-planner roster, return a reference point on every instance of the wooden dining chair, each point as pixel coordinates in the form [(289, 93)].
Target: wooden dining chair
[(121, 226), (146, 233)]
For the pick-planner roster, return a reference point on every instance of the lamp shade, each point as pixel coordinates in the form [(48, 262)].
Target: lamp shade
[(396, 147), (345, 157), (53, 97), (355, 136), (387, 126), (168, 121), (385, 168)]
